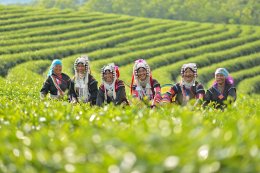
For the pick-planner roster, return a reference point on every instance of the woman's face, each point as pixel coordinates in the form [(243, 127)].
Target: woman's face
[(108, 76), (81, 68), (188, 75), (141, 74), (220, 79), (57, 69)]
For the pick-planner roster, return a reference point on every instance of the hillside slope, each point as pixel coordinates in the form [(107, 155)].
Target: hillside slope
[(39, 34)]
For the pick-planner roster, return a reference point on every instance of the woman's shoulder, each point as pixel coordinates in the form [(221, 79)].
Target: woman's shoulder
[(230, 86), (177, 85), (102, 87), (120, 83), (65, 76), (211, 89), (48, 79), (198, 84), (91, 78), (155, 82)]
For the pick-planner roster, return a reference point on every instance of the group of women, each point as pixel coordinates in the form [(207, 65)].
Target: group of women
[(83, 88)]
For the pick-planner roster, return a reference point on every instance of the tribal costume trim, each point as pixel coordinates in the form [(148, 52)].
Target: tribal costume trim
[(147, 88)]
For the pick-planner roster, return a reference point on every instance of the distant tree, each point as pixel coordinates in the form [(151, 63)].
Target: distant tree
[(99, 5), (220, 11), (61, 4), (133, 7)]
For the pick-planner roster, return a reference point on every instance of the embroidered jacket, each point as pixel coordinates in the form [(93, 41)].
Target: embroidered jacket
[(154, 85), (93, 90), (55, 85), (120, 94), (214, 95), (183, 95)]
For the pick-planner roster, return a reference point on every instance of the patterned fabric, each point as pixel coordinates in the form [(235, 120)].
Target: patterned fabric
[(111, 92), (110, 88), (184, 91), (155, 90), (81, 80), (84, 60), (219, 98), (93, 89), (191, 66), (103, 98), (56, 89), (147, 88), (194, 69), (183, 94)]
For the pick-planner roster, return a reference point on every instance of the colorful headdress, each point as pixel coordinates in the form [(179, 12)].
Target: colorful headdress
[(53, 64), (112, 68), (110, 89), (192, 67), (141, 63), (84, 60), (84, 90)]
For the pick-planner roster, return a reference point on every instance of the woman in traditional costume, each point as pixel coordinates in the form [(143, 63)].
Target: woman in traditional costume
[(143, 85), (188, 88), (57, 83), (222, 91), (112, 89), (83, 86)]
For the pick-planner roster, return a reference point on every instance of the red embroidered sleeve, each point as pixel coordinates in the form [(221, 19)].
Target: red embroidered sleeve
[(167, 97)]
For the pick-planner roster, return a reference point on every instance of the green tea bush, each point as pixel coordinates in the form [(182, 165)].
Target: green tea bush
[(55, 136), (250, 85), (246, 73)]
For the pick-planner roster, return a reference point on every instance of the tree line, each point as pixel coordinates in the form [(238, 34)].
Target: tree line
[(217, 11)]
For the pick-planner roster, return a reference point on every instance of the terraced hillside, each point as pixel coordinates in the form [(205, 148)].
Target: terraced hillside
[(56, 136), (28, 35)]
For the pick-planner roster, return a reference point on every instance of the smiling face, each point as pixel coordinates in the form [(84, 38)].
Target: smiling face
[(220, 79), (57, 69), (81, 68), (188, 75), (141, 74), (108, 77)]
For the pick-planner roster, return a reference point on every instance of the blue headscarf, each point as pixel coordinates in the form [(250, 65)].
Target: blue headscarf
[(222, 71), (53, 64)]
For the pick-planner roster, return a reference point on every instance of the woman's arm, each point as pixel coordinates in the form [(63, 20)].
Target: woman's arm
[(100, 97), (45, 88), (120, 96), (93, 89)]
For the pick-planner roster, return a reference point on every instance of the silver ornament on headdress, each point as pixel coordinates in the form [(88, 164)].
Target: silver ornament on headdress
[(191, 66), (84, 60), (141, 63)]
